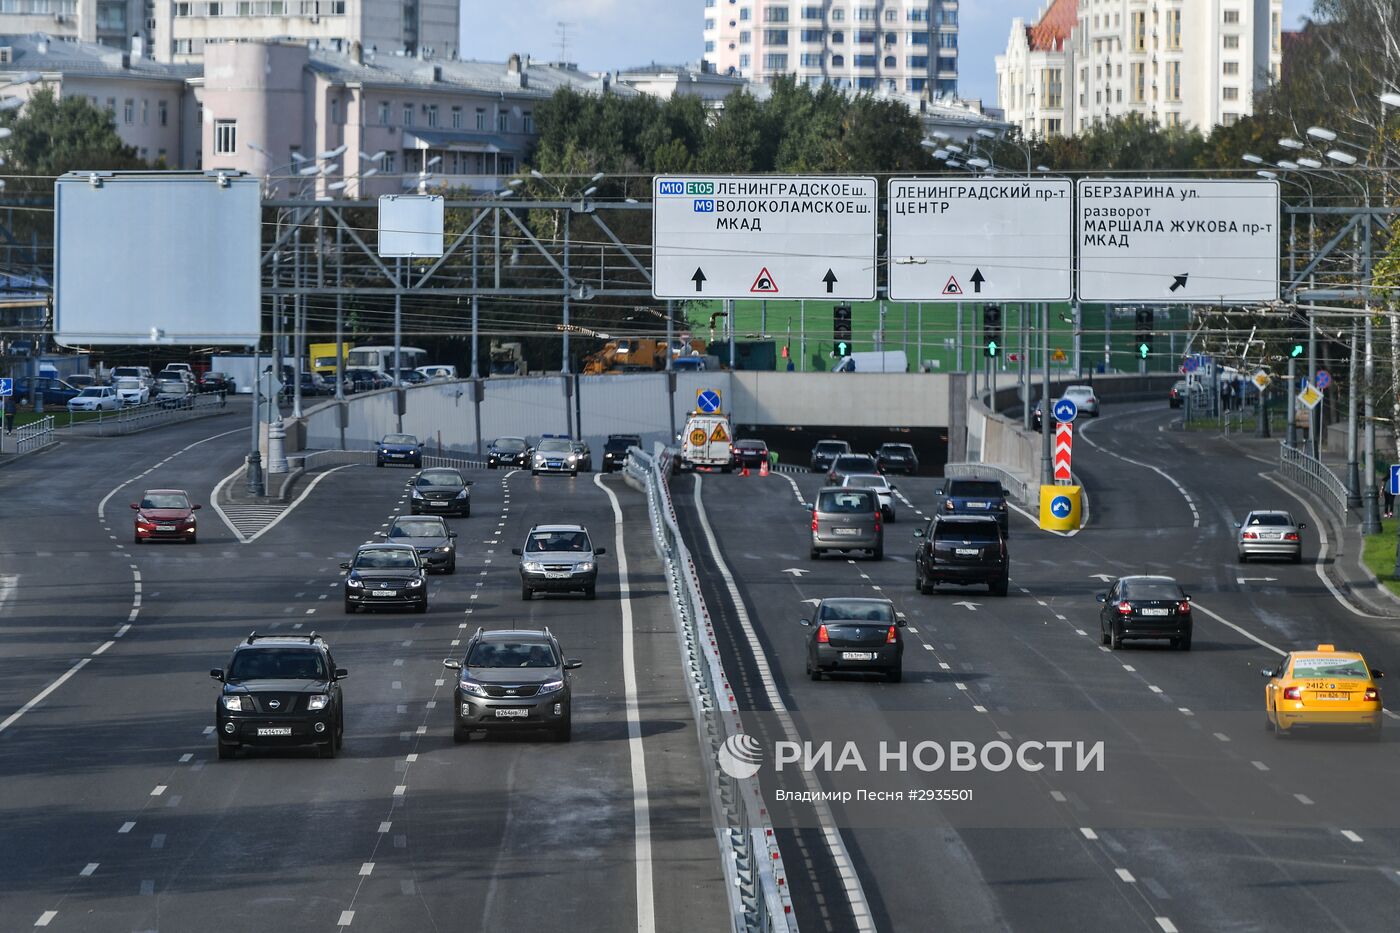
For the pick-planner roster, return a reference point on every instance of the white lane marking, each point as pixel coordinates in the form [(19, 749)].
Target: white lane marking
[(186, 757), (43, 694), (1080, 631), (366, 869), (46, 918), (1304, 799), (384, 827), (1222, 736), (1351, 835), (1154, 688), (1190, 502), (88, 869), (347, 917), (1252, 637), (854, 891), (1088, 833), (101, 506), (1184, 711), (400, 790), (1166, 925), (1125, 875), (123, 630), (1129, 668), (126, 827), (103, 647), (158, 790), (979, 709), (1322, 549), (1057, 796), (641, 803)]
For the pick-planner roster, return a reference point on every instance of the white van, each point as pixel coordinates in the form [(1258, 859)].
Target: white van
[(706, 441)]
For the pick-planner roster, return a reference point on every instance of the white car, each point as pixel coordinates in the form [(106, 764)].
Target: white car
[(880, 484), (1084, 399), (131, 391), (95, 398)]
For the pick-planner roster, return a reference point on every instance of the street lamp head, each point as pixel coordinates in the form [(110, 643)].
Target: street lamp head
[(1042, 168), (508, 192), (1310, 163), (1288, 142), (1265, 173), (986, 133), (298, 157), (337, 185), (516, 182), (1337, 155), (256, 148), (954, 147), (1288, 166), (309, 170), (939, 134), (434, 161), (369, 172), (630, 201), (1252, 158), (1320, 132), (1389, 98), (597, 177), (536, 173), (590, 191), (373, 158), (940, 153), (978, 162), (954, 163), (332, 153)]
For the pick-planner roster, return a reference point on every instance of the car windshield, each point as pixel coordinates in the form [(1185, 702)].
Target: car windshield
[(445, 478), (91, 392), (832, 447), (418, 528), (973, 532), (622, 443), (1330, 667), (276, 664), (510, 444), (750, 445), (554, 445), (164, 500), (897, 449), (867, 481), (127, 371), (569, 541), (853, 463), (846, 501), (395, 559), (214, 376), (407, 439), (1078, 392), (1154, 590), (512, 654), (1269, 518), (971, 488), (855, 610)]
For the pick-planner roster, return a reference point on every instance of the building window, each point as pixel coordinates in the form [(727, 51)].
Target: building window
[(1275, 37), (1230, 93), (744, 15), (891, 38), (865, 61), (162, 113), (775, 36), (1231, 42), (865, 36), (225, 137), (918, 38), (215, 9), (1050, 127), (918, 15), (1232, 17), (160, 155), (527, 122), (1230, 68), (1229, 119), (1052, 88), (183, 9), (775, 62), (838, 38), (811, 59), (1174, 30), (1173, 118), (745, 37), (481, 118), (407, 114), (744, 60), (431, 112), (145, 111), (866, 84), (383, 113), (889, 61), (1139, 81), (811, 12), (838, 61), (918, 61), (814, 35), (390, 163), (915, 85), (891, 15), (838, 15), (709, 45), (709, 24), (865, 14), (947, 64), (502, 122), (129, 111), (1140, 31), (775, 14), (1173, 80), (947, 40), (457, 118)]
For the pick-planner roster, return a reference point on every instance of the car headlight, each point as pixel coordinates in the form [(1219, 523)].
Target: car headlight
[(383, 450), (533, 566), (417, 494), (235, 703), (463, 494), (573, 457), (551, 686), (472, 687), (353, 583), (317, 701), (585, 566), (444, 549), (415, 582)]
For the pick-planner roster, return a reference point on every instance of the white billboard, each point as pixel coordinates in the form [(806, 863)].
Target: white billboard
[(764, 236), (1178, 241), (981, 239), (163, 257), (410, 225)]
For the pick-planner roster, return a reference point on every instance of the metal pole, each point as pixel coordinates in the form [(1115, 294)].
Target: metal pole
[(1047, 468), (476, 312), (1025, 372), (729, 322), (1371, 519), (564, 368), (1353, 479), (398, 336), (801, 337), (919, 316), (340, 336), (1290, 433), (958, 342), (1315, 415), (671, 369), (763, 318), (1107, 340), (255, 475), (298, 318)]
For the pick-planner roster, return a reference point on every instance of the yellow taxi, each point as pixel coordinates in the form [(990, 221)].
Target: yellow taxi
[(1325, 687)]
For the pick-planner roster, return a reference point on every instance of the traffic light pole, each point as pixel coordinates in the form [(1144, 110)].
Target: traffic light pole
[(1047, 416)]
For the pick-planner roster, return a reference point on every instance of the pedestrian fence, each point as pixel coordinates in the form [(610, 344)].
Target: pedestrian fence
[(755, 878), (1313, 475), (35, 435), (134, 418)]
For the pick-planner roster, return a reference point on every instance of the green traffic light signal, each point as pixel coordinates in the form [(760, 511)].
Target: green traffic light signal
[(1143, 349), (841, 348), (992, 348), (1297, 350)]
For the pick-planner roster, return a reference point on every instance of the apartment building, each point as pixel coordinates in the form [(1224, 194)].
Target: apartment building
[(906, 46), (1175, 62), (108, 22)]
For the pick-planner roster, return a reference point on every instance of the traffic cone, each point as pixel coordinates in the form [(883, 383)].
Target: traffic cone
[(743, 469), (763, 467)]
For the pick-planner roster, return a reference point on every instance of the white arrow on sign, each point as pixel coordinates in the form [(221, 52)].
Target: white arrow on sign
[(796, 571), (1244, 580), (972, 607), (1106, 578)]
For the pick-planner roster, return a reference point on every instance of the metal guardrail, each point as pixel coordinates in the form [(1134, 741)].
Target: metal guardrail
[(140, 417), (1315, 476), (317, 459), (35, 435), (755, 878)]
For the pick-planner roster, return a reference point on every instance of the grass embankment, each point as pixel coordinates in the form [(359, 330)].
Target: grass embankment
[(1378, 553)]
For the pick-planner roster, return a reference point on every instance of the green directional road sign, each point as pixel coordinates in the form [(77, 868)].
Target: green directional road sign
[(1143, 350)]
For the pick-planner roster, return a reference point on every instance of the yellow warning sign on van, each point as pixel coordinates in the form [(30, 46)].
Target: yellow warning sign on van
[(697, 437), (719, 434)]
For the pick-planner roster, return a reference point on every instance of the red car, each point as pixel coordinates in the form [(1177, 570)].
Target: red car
[(165, 514)]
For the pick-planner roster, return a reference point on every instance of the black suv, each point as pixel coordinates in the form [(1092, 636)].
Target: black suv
[(975, 497), (615, 450), (962, 549), (512, 680), (897, 458), (825, 452), (280, 691)]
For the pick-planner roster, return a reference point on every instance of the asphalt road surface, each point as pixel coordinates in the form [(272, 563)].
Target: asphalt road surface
[(116, 814), (1228, 828)]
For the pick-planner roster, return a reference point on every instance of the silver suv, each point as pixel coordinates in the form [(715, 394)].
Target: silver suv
[(847, 520), (558, 559)]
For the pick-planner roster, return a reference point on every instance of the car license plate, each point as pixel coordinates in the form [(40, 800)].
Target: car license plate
[(275, 730), (437, 504), (556, 575), (1325, 695), (381, 592), (1154, 612), (857, 656), (845, 531), (554, 465), (966, 551), (977, 505), (510, 713), (165, 528), (399, 456)]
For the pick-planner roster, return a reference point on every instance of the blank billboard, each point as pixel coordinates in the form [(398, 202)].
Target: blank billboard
[(410, 225), (157, 257)]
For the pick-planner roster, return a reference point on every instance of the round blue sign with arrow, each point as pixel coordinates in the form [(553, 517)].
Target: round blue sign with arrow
[(707, 401), (1060, 507), (1066, 411)]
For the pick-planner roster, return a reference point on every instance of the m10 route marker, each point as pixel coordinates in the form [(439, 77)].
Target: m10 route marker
[(997, 239), (1178, 241), (764, 237)]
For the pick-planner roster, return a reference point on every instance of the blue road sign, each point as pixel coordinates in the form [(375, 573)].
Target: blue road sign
[(1323, 380), (1060, 506), (1066, 411), (1395, 479), (7, 387), (1190, 365), (707, 401)]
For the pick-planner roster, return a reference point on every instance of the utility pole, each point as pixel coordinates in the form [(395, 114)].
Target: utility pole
[(398, 339), (1353, 479), (1371, 519), (1047, 415)]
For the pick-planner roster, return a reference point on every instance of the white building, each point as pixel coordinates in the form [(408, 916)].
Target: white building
[(1174, 62), (109, 22), (902, 45)]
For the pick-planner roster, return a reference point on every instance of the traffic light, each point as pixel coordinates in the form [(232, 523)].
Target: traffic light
[(1297, 351), (1144, 332), (991, 330), (841, 324)]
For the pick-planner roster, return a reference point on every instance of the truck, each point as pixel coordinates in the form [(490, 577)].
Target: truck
[(323, 357), (706, 442), (508, 359)]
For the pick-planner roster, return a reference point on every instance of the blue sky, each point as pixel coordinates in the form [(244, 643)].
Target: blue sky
[(612, 34)]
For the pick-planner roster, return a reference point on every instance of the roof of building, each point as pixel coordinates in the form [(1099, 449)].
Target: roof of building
[(46, 54), (1051, 31), (531, 79)]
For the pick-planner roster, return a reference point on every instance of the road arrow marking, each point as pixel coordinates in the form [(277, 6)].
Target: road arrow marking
[(1244, 580), (972, 607), (830, 279), (1106, 578), (977, 280), (796, 571), (1178, 281), (699, 279)]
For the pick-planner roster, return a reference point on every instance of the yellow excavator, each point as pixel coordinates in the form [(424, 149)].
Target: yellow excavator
[(625, 355)]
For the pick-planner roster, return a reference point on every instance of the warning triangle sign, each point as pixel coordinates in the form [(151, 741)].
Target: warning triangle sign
[(764, 284), (952, 288), (720, 435)]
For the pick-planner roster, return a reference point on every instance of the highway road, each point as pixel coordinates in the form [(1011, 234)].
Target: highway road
[(118, 816), (1201, 821)]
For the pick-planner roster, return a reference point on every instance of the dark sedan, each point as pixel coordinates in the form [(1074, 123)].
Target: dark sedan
[(749, 453), (429, 535), (1145, 607), (399, 448), (366, 380), (315, 384), (217, 382), (508, 452), (847, 464), (385, 576), (165, 515), (440, 491), (897, 458), (826, 451), (50, 390), (857, 636), (615, 450)]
